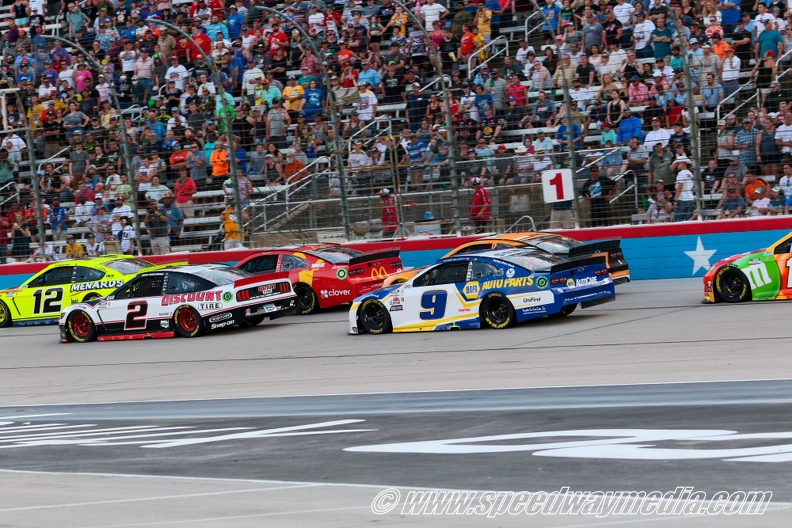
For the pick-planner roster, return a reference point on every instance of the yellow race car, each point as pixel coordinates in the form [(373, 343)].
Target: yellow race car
[(559, 245), (42, 298)]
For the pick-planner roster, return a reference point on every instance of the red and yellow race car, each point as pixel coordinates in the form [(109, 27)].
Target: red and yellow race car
[(325, 275), (559, 245)]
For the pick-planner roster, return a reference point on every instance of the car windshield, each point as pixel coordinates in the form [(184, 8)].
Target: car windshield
[(557, 245), (337, 254), (532, 261), (222, 276), (128, 266)]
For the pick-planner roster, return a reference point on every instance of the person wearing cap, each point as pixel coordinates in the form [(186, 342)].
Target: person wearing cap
[(73, 248), (683, 196), (480, 205), (293, 97), (630, 127), (745, 142), (367, 107), (175, 217), (642, 36), (741, 41), (597, 191), (185, 188), (177, 73), (758, 202)]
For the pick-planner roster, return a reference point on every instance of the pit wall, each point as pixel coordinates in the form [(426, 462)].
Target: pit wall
[(665, 251)]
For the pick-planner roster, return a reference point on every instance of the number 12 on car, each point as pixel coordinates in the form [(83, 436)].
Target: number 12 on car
[(558, 185), (433, 305)]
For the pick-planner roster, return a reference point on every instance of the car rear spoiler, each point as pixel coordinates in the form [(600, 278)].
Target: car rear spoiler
[(595, 247), (577, 263), (258, 278), (368, 257)]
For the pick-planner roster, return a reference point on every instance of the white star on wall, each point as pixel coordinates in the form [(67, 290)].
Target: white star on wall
[(701, 257)]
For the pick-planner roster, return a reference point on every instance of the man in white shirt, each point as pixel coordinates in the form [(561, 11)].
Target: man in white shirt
[(122, 209), (763, 17), (642, 32), (368, 103), (316, 20), (607, 66), (684, 198), (624, 12), (783, 134), (617, 56), (177, 73), (432, 11), (656, 135), (730, 76), (83, 211), (522, 53)]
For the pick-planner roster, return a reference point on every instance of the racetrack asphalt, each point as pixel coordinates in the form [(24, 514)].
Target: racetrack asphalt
[(298, 424)]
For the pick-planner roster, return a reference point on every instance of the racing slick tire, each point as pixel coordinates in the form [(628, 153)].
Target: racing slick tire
[(497, 311), (252, 321), (732, 286), (5, 315), (374, 318), (307, 301), (566, 310), (81, 326), (187, 321), (91, 297)]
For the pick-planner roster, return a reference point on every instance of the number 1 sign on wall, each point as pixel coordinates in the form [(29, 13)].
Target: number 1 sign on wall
[(558, 185)]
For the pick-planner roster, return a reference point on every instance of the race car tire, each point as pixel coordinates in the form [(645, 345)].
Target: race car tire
[(566, 310), (81, 326), (91, 297), (497, 311), (732, 286), (187, 321), (252, 321), (5, 315), (374, 318), (307, 301)]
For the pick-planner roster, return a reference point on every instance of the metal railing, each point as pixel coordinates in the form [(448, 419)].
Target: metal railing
[(523, 217), (11, 197), (529, 32), (492, 44)]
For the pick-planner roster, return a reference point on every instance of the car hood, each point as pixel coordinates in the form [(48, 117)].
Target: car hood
[(380, 293)]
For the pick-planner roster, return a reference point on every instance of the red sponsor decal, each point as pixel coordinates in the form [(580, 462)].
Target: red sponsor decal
[(180, 298)]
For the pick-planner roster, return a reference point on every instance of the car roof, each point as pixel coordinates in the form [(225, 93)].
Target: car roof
[(192, 268), (91, 260), (522, 237), (500, 253)]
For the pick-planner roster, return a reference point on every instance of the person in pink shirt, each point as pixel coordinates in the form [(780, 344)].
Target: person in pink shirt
[(639, 93), (80, 75), (517, 90)]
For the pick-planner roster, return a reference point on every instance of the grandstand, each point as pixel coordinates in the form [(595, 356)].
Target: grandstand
[(394, 135)]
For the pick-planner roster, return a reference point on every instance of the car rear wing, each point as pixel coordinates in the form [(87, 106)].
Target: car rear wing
[(595, 247), (577, 263), (377, 255)]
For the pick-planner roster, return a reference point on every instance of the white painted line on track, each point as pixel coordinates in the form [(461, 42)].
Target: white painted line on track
[(18, 416), (155, 498), (233, 518), (643, 384), (295, 483)]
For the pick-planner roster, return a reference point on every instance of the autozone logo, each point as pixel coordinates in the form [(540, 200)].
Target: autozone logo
[(586, 281), (334, 293), (220, 317), (191, 297), (96, 285)]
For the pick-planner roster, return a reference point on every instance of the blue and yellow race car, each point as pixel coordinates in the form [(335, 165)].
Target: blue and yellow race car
[(42, 298), (494, 288)]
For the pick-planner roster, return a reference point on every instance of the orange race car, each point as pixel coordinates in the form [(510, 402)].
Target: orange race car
[(554, 243)]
